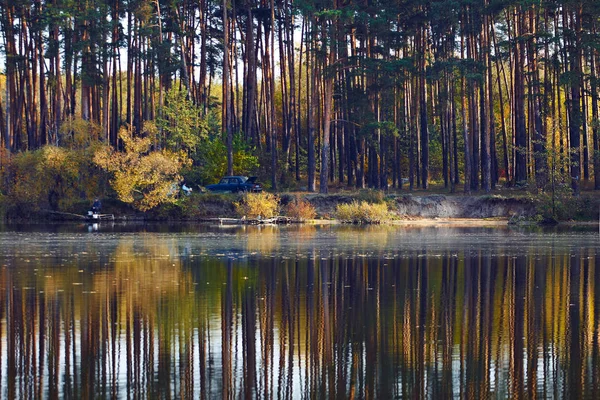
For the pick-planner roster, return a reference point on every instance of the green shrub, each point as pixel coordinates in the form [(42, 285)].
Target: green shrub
[(363, 213), (213, 159), (253, 205), (181, 121), (299, 209)]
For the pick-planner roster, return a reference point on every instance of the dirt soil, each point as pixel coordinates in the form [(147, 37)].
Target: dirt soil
[(436, 206), (440, 206)]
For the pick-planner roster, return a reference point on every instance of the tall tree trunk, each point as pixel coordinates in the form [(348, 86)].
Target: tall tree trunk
[(203, 17), (486, 118), (11, 56), (584, 128), (114, 113), (443, 122), (29, 78), (539, 144), (422, 43), (411, 128), (130, 55), (225, 106), (311, 110), (474, 103), (250, 89), (69, 56), (465, 126), (106, 87), (595, 117), (86, 72), (57, 90), (575, 105), (286, 110), (520, 132), (55, 71), (273, 130), (327, 112), (505, 148), (137, 82), (298, 110), (490, 105)]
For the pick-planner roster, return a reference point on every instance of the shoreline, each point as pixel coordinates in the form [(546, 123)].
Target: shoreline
[(403, 209), (408, 222)]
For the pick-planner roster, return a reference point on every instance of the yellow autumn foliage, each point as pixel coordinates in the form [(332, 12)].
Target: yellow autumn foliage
[(254, 205), (363, 212), (50, 178), (300, 209), (141, 176), (77, 133)]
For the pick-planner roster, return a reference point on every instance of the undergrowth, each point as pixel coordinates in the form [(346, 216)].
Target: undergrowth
[(363, 213), (254, 205), (300, 209)]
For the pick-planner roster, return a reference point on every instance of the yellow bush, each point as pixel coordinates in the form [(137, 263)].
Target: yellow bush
[(253, 205), (300, 209), (376, 213), (77, 133), (347, 212), (363, 212), (142, 177), (50, 177)]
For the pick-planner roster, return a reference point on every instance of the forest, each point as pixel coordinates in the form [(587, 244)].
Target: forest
[(468, 95)]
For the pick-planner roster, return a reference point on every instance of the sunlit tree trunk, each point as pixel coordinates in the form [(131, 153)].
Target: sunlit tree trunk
[(520, 131), (225, 106), (423, 121), (595, 117), (575, 103), (328, 105), (312, 105)]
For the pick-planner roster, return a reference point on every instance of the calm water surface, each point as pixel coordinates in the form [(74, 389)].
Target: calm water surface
[(298, 312)]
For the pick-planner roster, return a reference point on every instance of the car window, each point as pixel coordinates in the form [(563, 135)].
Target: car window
[(233, 181), (224, 181)]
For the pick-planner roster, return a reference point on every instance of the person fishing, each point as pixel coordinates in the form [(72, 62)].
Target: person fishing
[(186, 189), (96, 206)]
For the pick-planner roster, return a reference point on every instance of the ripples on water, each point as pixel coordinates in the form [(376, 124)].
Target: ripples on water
[(298, 312)]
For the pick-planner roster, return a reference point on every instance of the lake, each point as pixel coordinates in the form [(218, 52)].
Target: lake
[(167, 311)]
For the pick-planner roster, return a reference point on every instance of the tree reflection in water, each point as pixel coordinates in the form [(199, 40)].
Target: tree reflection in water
[(160, 316)]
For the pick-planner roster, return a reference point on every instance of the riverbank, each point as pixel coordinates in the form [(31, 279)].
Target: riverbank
[(402, 208)]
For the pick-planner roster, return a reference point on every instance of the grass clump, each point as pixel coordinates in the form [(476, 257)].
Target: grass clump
[(371, 196), (363, 213), (253, 205), (300, 209)]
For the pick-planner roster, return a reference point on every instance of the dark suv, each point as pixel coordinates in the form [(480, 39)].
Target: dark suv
[(236, 184)]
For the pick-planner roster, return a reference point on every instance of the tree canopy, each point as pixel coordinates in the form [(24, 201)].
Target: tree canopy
[(363, 94)]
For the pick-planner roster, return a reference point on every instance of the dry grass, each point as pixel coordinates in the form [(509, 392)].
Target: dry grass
[(363, 213), (300, 209), (253, 205)]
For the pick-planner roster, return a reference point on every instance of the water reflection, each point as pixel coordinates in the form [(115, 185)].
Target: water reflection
[(303, 312)]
